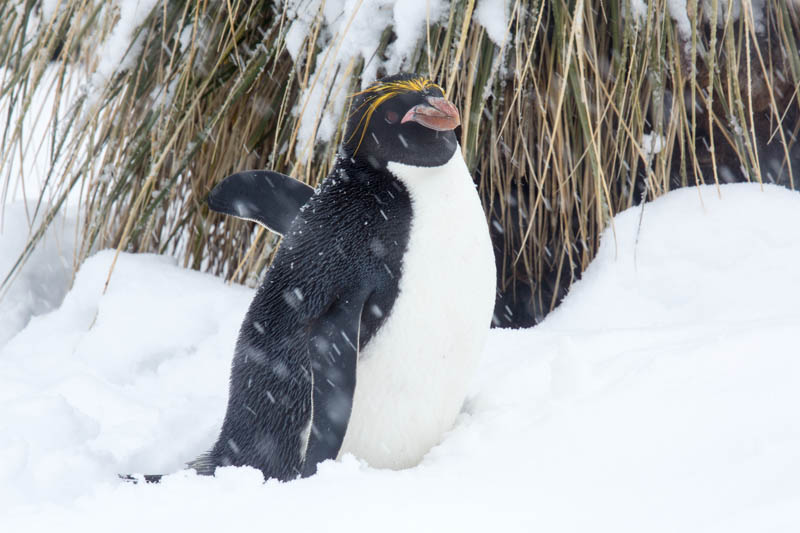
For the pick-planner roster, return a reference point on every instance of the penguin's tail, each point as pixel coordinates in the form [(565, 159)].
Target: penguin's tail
[(205, 465), (138, 478)]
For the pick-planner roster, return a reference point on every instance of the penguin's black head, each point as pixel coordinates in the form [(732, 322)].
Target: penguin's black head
[(403, 118)]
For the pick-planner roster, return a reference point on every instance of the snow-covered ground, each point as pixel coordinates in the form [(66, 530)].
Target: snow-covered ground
[(662, 395)]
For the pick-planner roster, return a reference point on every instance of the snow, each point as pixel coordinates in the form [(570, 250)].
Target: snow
[(660, 396), (493, 16), (679, 11), (638, 11), (411, 18), (756, 10), (122, 46), (351, 30), (727, 10), (42, 282), (652, 143), (26, 164)]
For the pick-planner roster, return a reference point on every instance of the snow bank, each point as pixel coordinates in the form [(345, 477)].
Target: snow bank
[(83, 387), (661, 396), (42, 282)]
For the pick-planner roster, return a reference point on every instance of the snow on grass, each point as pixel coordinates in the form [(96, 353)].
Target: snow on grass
[(679, 11), (660, 396), (27, 163), (122, 46), (351, 30), (728, 11), (652, 143), (493, 16), (411, 19)]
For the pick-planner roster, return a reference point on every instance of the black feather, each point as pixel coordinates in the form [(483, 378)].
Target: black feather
[(342, 254), (263, 196)]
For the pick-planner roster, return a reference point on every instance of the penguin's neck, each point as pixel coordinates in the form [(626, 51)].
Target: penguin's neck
[(425, 181)]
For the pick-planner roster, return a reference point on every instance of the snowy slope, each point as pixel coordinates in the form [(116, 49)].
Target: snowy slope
[(41, 286), (661, 396)]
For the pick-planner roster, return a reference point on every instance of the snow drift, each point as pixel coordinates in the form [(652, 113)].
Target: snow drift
[(660, 396)]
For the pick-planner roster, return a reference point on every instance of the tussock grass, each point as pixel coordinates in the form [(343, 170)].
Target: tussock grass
[(554, 120)]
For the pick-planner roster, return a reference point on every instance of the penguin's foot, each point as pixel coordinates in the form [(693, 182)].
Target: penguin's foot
[(135, 479)]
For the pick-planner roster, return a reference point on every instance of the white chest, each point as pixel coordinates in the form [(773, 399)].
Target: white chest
[(413, 375)]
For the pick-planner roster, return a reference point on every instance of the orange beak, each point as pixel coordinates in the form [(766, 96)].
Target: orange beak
[(438, 114)]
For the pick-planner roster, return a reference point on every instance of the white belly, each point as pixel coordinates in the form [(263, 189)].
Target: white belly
[(413, 375)]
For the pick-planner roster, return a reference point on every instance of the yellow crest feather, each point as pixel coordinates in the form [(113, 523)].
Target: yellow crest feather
[(378, 93)]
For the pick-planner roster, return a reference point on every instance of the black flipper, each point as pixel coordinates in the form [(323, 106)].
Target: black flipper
[(333, 347), (269, 198)]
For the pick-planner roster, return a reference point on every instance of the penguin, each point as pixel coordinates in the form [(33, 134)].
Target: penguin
[(369, 323)]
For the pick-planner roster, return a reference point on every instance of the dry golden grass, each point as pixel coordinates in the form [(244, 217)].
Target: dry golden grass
[(553, 121)]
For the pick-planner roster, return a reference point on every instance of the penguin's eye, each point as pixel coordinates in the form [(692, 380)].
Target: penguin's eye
[(391, 117)]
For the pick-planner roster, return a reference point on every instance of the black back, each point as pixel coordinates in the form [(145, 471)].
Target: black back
[(331, 285)]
